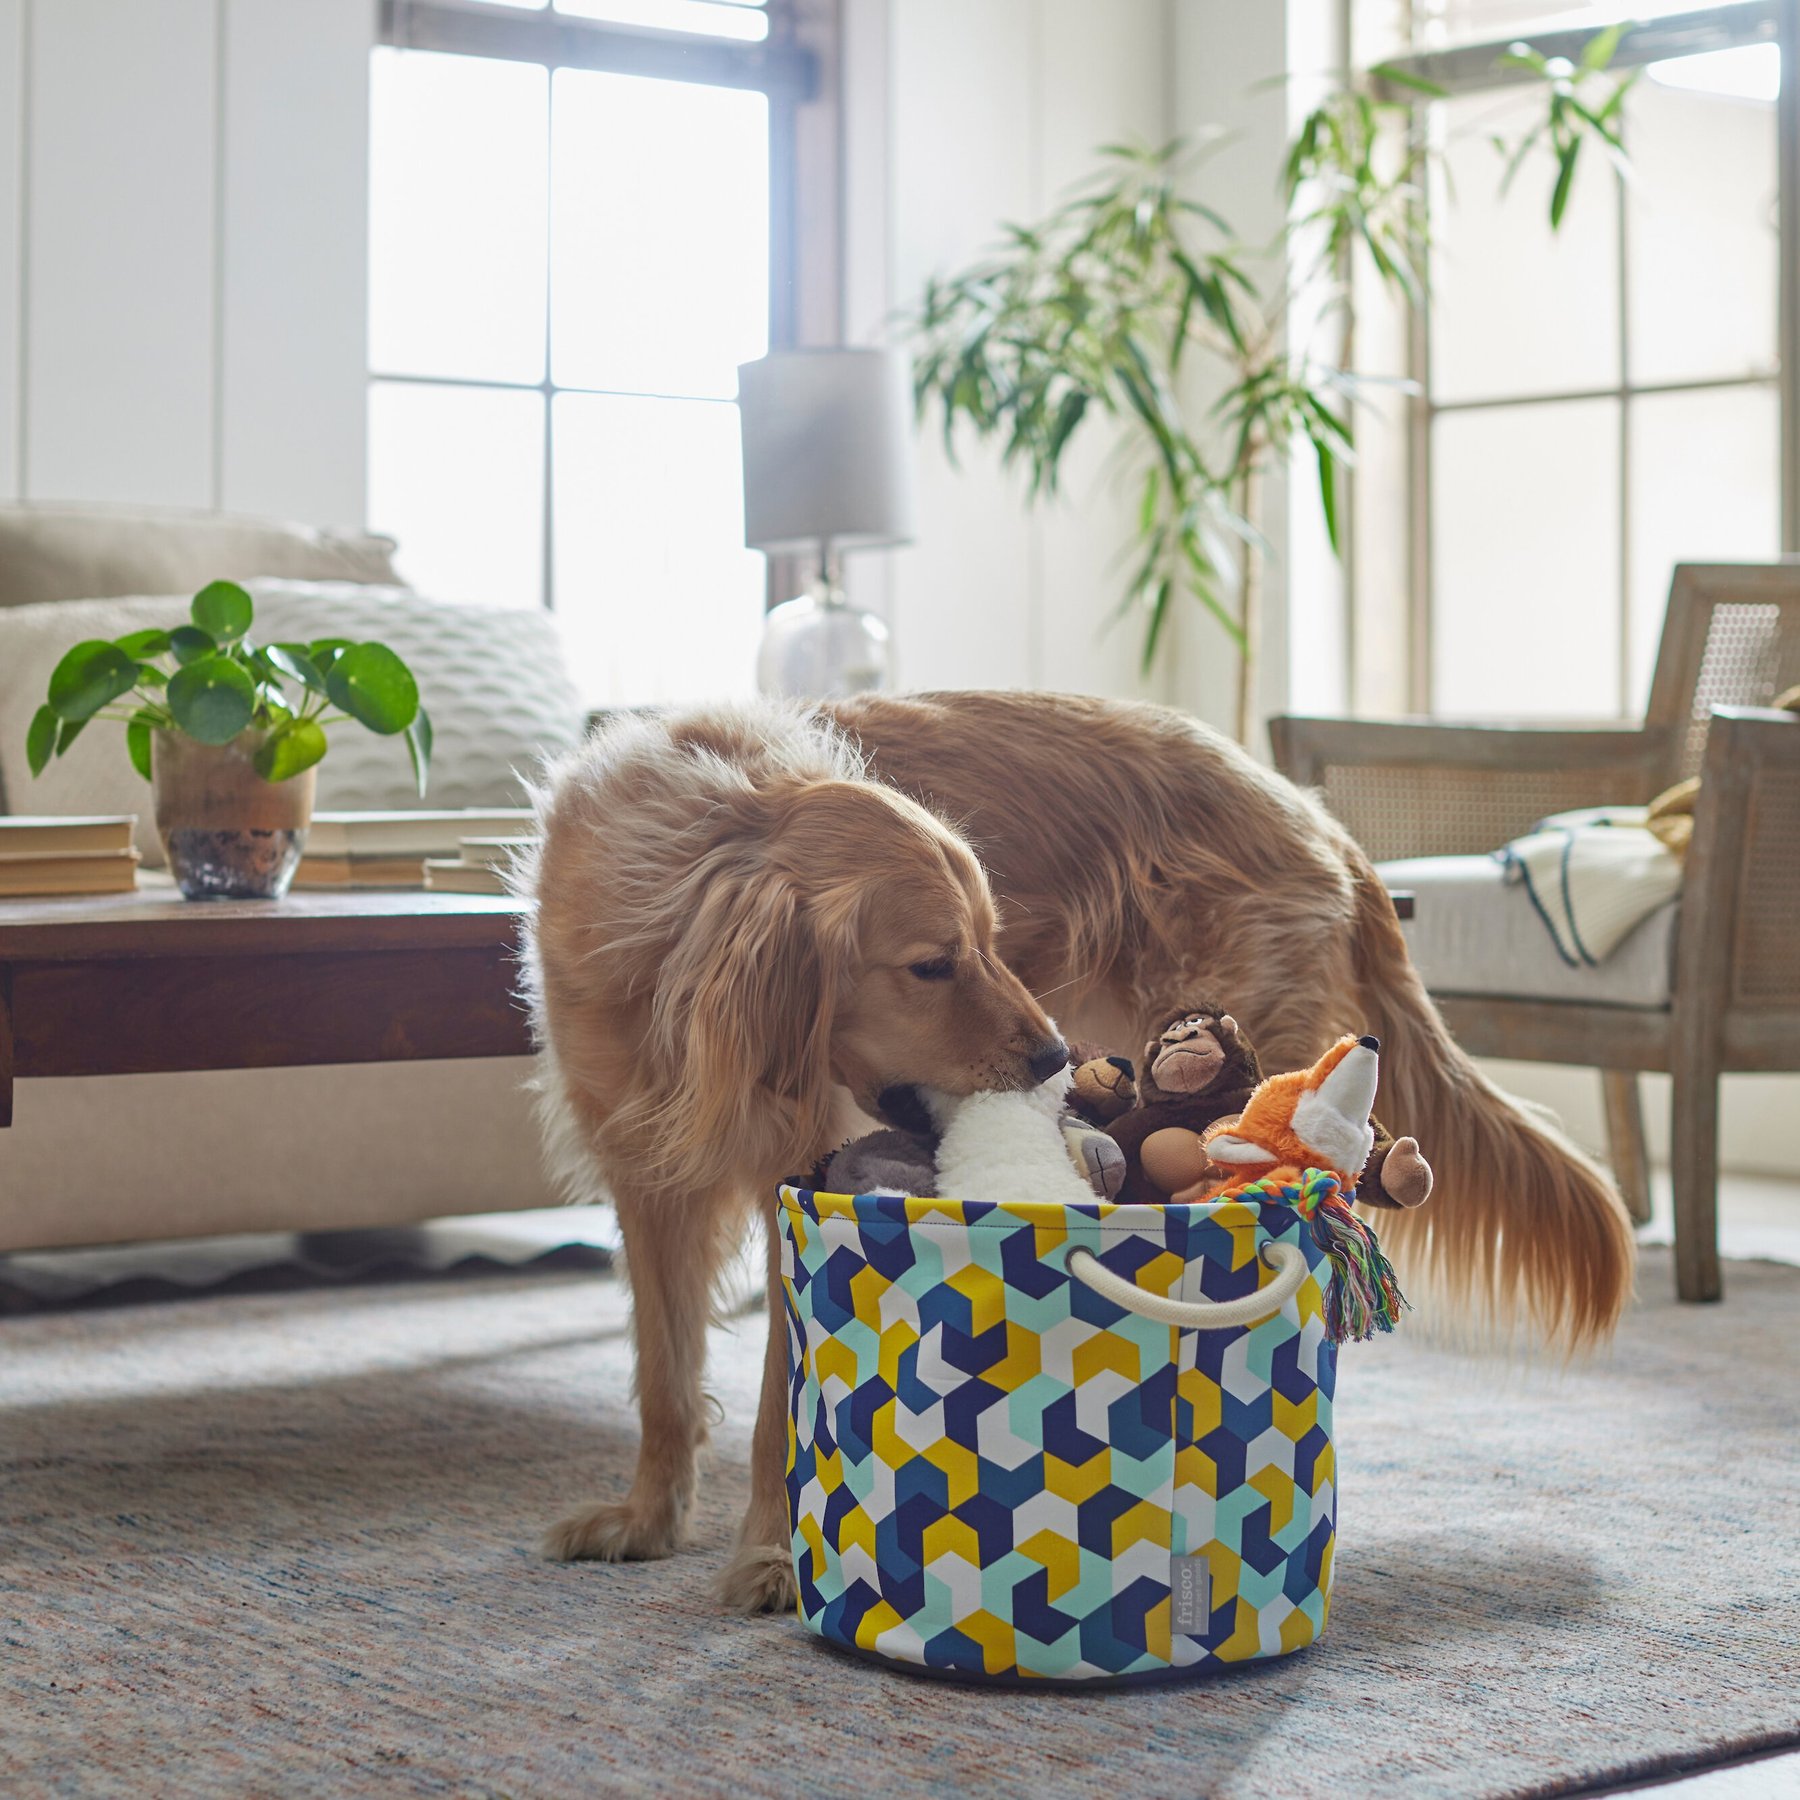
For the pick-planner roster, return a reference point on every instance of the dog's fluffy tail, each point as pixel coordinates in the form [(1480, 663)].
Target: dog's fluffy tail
[(1520, 1222)]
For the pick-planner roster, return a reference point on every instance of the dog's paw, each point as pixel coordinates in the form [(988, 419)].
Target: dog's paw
[(613, 1531), (759, 1578)]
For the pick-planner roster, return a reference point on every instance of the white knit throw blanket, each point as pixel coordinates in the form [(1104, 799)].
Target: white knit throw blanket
[(1593, 876)]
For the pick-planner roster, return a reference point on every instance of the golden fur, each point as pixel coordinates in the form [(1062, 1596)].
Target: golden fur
[(731, 905)]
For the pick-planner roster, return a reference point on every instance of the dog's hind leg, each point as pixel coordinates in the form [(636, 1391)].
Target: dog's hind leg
[(760, 1575), (675, 1246)]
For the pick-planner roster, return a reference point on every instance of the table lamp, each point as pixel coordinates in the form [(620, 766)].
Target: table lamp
[(827, 468)]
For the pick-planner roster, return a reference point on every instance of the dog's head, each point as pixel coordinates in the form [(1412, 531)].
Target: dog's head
[(846, 935)]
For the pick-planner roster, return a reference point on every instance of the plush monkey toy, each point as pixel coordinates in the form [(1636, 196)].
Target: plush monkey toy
[(1197, 1069)]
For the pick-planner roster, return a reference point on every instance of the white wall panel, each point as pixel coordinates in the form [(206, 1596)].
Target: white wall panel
[(294, 258), (12, 174), (119, 269), (961, 128)]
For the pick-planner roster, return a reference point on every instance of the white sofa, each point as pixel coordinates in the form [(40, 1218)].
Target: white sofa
[(119, 1158)]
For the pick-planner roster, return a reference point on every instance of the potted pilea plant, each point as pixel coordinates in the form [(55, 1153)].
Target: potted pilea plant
[(228, 733)]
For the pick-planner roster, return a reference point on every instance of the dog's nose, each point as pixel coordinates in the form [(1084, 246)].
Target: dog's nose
[(1048, 1058), (1370, 1043)]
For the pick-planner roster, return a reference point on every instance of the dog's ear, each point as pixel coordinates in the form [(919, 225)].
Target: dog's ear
[(741, 1021)]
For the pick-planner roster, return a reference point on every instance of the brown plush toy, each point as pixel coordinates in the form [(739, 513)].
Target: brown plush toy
[(1102, 1087), (1198, 1068)]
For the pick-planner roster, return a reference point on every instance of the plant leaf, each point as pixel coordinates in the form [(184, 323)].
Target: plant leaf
[(1328, 496), (70, 731), (374, 687), (1565, 180), (418, 747), (212, 699), (1396, 77), (294, 660), (189, 643), (293, 746), (40, 739), (137, 746), (1601, 46), (90, 675), (140, 644), (224, 609)]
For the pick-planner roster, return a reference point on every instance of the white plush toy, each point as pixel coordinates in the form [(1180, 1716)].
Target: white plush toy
[(1006, 1146)]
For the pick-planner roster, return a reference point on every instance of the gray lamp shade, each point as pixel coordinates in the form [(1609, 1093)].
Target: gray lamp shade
[(827, 449)]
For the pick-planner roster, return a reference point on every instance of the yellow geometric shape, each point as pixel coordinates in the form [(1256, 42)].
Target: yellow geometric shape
[(1324, 1468), (835, 1357), (879, 1618), (963, 1469), (1060, 1557), (1195, 1469), (951, 1537), (1161, 1274), (895, 1342), (1296, 1631), (1202, 1396), (1277, 1488), (1156, 1630), (1145, 1523), (1024, 1358), (891, 1449), (995, 1636), (1104, 1351), (986, 1294), (1245, 1641), (1291, 1420), (856, 1531), (867, 1286), (1077, 1481)]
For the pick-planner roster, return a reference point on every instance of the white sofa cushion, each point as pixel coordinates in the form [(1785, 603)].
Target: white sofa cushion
[(61, 550), (1474, 932), (492, 678)]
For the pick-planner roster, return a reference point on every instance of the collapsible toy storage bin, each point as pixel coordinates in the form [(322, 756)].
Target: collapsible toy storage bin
[(1035, 1441)]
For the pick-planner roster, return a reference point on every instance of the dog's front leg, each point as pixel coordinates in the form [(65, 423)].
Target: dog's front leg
[(673, 1249), (760, 1575)]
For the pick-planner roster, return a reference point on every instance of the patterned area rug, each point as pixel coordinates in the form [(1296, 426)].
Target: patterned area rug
[(281, 1544)]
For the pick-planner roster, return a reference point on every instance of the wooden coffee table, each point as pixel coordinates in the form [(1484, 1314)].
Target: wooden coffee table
[(143, 983)]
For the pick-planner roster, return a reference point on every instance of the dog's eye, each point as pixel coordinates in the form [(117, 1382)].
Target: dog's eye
[(938, 968)]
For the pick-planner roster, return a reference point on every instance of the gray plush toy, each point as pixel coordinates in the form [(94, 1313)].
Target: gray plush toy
[(884, 1162)]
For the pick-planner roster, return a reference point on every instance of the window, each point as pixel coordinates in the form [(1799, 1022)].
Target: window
[(570, 252), (1596, 405)]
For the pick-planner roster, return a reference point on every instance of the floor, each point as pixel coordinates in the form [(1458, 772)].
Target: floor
[(1759, 1219)]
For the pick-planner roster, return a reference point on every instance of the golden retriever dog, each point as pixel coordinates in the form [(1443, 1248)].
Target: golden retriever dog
[(755, 922)]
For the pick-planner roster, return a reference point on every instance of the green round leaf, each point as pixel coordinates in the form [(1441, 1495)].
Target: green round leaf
[(137, 746), (190, 643), (149, 675), (375, 687), (224, 609), (212, 699), (292, 660), (326, 651), (70, 731), (140, 644), (292, 746), (40, 740), (418, 747), (90, 675)]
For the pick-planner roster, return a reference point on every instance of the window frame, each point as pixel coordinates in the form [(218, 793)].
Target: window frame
[(1475, 68), (782, 67)]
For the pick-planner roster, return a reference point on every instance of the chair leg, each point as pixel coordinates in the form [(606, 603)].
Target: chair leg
[(1625, 1136), (1694, 1166)]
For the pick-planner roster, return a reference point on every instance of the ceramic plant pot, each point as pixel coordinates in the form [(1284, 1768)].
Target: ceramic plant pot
[(228, 834)]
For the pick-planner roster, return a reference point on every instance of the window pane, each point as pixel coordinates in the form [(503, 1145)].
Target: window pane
[(1705, 482), (659, 599), (1516, 308), (1525, 561), (458, 212), (731, 19), (456, 475), (662, 234), (1701, 222)]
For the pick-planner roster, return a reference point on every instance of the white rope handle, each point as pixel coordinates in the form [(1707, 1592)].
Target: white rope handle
[(1288, 1260)]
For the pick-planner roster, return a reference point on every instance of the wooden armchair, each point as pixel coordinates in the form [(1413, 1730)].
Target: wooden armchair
[(1730, 644)]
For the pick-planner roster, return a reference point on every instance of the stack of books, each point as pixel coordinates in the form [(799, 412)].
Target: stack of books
[(67, 856), (480, 865), (389, 849)]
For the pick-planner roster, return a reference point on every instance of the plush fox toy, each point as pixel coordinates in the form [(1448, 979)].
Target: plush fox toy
[(1315, 1118)]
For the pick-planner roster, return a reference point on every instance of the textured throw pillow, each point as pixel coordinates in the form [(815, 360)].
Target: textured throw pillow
[(492, 678), (57, 550)]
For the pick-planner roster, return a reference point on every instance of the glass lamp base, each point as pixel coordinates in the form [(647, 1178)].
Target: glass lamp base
[(820, 648)]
